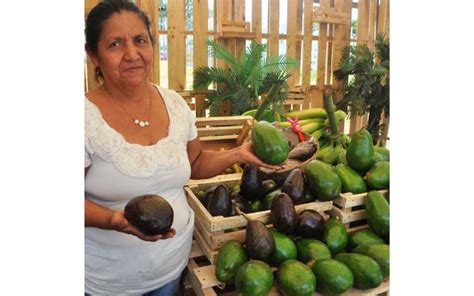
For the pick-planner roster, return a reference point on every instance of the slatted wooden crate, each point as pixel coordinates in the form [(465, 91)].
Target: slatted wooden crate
[(223, 131), (201, 276), (212, 232), (350, 208)]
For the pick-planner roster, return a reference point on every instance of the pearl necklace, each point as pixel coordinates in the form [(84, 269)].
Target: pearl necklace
[(140, 123)]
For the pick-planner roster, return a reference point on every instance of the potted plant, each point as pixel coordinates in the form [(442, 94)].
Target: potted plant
[(245, 79), (368, 88)]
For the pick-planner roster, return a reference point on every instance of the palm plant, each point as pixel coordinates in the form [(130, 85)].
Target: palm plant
[(368, 89), (245, 80)]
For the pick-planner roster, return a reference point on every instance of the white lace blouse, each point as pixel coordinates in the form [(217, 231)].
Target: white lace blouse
[(118, 263)]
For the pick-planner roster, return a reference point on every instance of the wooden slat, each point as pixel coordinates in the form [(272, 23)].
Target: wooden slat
[(222, 120), (239, 15), (257, 19), (299, 38), (372, 23), (218, 131), (382, 21), (291, 39), (273, 26), (307, 40), (223, 10), (200, 54), (362, 38), (341, 40), (176, 45), (330, 15), (322, 49), (151, 9)]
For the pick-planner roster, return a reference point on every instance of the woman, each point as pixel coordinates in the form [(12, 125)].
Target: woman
[(139, 139)]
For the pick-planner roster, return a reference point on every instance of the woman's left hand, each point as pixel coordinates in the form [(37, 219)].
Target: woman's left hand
[(247, 155)]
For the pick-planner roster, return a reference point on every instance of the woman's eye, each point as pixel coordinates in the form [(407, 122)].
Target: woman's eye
[(115, 44), (141, 40)]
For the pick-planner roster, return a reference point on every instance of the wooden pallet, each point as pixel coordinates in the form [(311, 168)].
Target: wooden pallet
[(350, 209), (201, 276), (212, 232)]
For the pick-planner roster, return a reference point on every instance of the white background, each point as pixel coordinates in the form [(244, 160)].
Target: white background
[(41, 151)]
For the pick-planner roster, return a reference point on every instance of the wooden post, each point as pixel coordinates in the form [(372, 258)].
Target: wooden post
[(307, 40), (299, 30), (91, 83), (151, 9), (257, 19), (176, 45), (291, 40), (273, 27), (200, 11), (223, 10)]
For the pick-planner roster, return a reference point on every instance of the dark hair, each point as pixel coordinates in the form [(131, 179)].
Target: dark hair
[(102, 12)]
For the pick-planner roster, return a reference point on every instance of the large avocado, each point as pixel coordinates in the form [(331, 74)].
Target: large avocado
[(366, 271), (283, 213), (335, 235), (378, 176), (334, 277), (254, 278), (312, 250), (150, 213), (259, 242), (350, 179), (220, 203), (250, 182), (378, 214), (294, 186), (269, 143), (309, 224), (295, 279), (378, 252), (324, 182), (284, 249), (360, 152), (231, 256)]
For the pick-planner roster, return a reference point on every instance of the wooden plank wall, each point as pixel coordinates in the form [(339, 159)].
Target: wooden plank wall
[(373, 17)]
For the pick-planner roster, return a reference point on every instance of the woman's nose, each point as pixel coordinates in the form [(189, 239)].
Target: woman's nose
[(131, 52)]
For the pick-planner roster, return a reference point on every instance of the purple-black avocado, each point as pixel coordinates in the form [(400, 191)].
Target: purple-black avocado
[(150, 213)]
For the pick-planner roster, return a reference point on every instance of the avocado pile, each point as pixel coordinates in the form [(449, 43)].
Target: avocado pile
[(308, 253), (360, 167), (255, 193)]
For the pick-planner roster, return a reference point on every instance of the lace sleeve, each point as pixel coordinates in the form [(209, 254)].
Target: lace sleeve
[(87, 153), (192, 125)]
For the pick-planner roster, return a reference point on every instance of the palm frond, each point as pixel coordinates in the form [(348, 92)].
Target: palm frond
[(222, 53)]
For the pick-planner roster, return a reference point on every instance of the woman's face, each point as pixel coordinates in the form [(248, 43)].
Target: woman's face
[(124, 50)]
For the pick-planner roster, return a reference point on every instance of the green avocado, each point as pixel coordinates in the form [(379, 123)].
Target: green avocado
[(254, 278), (335, 235), (269, 143), (324, 182), (284, 249), (378, 214), (366, 271), (360, 152), (230, 257), (333, 277), (378, 177), (378, 252), (295, 279)]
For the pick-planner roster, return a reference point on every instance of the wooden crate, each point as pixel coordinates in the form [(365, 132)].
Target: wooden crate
[(350, 208), (212, 232), (201, 276), (222, 131)]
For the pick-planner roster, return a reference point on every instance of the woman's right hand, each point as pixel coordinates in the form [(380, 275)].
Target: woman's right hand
[(121, 224)]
